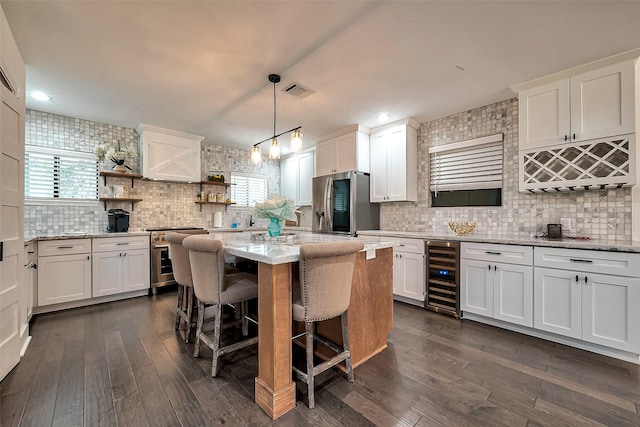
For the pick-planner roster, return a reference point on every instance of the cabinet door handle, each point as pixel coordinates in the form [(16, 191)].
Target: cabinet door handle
[(577, 278), (489, 267), (566, 137), (65, 247), (574, 136), (495, 268), (493, 253), (125, 254), (584, 261), (585, 280), (87, 257)]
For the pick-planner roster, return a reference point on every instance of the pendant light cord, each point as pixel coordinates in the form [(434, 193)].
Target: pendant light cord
[(274, 110)]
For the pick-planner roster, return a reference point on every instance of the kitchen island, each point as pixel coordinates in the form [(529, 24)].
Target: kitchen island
[(370, 309)]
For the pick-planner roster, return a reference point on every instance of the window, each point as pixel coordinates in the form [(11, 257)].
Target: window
[(248, 189), (54, 175), (467, 173)]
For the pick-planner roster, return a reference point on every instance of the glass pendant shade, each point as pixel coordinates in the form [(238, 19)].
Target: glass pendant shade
[(274, 150), (256, 154), (296, 141)]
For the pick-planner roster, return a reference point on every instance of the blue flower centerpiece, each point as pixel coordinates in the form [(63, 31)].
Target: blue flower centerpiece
[(275, 208)]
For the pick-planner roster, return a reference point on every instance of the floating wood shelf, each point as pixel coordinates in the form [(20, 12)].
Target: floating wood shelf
[(133, 176), (216, 203), (118, 199), (223, 184)]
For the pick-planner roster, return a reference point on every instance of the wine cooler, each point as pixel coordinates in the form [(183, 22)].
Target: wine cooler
[(443, 277)]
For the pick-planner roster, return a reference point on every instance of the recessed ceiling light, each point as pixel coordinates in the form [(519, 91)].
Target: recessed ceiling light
[(383, 117), (40, 96)]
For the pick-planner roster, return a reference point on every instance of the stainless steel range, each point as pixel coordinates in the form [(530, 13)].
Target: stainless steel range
[(161, 268)]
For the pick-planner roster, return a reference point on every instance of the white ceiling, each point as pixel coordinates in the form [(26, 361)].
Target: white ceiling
[(201, 66)]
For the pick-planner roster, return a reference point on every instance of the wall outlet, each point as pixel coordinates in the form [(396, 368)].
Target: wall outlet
[(566, 224)]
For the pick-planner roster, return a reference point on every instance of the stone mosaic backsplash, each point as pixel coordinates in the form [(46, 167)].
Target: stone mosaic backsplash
[(600, 214), (163, 204)]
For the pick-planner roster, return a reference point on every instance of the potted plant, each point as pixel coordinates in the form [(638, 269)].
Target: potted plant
[(117, 156)]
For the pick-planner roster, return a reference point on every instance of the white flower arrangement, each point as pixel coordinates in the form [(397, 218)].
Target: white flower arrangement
[(276, 207), (117, 156)]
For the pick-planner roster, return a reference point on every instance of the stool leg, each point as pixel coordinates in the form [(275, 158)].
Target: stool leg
[(310, 328), (344, 320), (189, 313), (216, 340), (179, 306), (243, 312), (196, 350)]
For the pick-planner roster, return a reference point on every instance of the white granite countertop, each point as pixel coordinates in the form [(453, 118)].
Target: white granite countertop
[(81, 235), (273, 251), (629, 246)]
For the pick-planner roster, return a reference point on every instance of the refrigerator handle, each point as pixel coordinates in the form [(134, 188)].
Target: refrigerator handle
[(328, 205)]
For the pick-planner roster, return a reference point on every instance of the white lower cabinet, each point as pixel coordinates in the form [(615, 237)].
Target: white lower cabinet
[(500, 290), (64, 271), (598, 307), (121, 270), (408, 271)]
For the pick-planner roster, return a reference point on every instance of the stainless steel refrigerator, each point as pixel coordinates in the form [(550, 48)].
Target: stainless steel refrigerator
[(341, 204)]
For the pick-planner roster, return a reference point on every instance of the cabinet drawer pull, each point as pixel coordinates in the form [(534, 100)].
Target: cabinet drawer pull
[(577, 278), (493, 253), (585, 261), (122, 243), (65, 247)]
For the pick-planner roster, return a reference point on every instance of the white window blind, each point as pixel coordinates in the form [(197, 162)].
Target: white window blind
[(248, 189), (467, 165), (60, 174)]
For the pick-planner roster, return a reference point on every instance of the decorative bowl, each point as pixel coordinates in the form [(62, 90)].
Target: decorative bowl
[(462, 228)]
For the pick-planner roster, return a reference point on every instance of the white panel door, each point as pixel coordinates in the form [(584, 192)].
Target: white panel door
[(513, 294), (64, 278), (397, 163), (107, 273), (408, 275), (557, 302), (289, 178), (476, 287), (135, 270), (544, 115), (346, 152), (326, 157), (602, 102), (305, 178), (378, 164), (610, 314), (11, 224)]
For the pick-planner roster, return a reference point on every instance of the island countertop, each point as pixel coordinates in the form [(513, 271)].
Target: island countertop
[(281, 250)]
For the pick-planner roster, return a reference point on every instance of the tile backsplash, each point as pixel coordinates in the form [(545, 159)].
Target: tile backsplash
[(604, 215), (163, 204), (601, 214)]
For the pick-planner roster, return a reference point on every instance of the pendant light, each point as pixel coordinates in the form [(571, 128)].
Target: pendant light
[(274, 148)]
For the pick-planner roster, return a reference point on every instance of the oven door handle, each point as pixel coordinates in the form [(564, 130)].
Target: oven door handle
[(160, 246)]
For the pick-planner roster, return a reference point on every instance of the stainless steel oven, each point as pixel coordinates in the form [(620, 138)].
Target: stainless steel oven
[(161, 268)]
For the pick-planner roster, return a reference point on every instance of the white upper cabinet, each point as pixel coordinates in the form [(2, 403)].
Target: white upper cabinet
[(342, 151), (393, 160), (296, 174), (595, 104), (169, 155)]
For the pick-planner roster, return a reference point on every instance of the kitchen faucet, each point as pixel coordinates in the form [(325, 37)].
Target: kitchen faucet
[(251, 221)]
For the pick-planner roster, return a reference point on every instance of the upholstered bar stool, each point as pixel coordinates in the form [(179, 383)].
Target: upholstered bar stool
[(182, 275), (212, 286), (326, 273)]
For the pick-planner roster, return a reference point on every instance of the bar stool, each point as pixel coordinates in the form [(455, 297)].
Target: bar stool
[(182, 275), (212, 286), (326, 273)]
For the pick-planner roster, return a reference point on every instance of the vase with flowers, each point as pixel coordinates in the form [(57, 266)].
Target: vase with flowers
[(276, 209), (116, 155)]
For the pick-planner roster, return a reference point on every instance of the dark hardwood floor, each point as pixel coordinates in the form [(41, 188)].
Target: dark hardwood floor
[(122, 364)]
